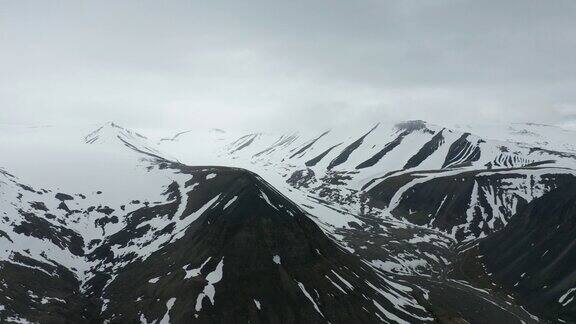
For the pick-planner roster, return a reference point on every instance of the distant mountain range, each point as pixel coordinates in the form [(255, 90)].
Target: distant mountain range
[(403, 222)]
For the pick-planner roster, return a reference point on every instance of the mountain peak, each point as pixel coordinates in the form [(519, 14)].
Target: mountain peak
[(111, 130), (114, 135), (245, 242)]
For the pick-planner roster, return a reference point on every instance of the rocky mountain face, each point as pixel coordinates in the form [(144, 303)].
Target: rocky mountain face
[(248, 255), (534, 255), (401, 223)]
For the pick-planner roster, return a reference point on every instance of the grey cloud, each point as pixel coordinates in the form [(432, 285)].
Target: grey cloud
[(265, 63)]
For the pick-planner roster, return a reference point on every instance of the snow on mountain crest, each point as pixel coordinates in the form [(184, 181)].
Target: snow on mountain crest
[(113, 135), (419, 173), (110, 129)]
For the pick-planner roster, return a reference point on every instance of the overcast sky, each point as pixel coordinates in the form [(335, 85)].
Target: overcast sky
[(248, 64)]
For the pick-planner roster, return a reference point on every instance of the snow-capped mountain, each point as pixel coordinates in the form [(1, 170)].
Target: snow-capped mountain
[(463, 184), (386, 166), (399, 222), (69, 258)]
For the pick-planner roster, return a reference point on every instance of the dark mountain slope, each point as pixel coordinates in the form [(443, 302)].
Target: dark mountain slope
[(467, 204), (345, 154), (387, 148), (250, 256), (535, 255), (462, 152), (35, 286), (45, 292), (426, 150)]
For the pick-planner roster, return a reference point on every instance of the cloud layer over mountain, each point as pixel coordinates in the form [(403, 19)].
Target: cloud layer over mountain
[(156, 64)]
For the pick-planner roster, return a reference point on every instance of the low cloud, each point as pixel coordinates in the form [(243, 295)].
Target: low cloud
[(267, 65)]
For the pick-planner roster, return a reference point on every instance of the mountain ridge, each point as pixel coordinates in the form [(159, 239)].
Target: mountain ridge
[(395, 221)]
